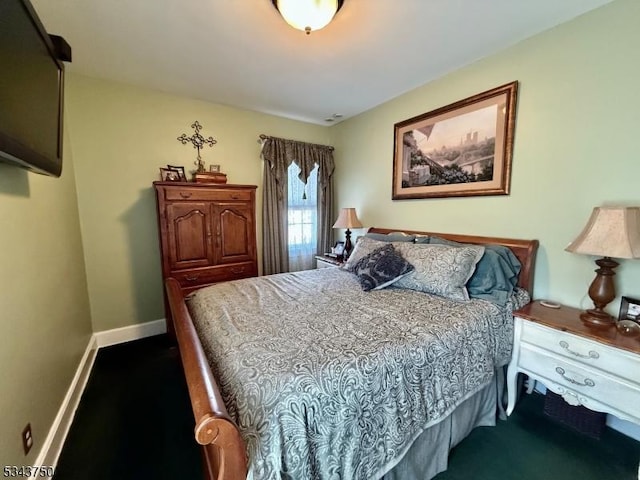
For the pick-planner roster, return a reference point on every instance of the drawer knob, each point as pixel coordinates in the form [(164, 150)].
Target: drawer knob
[(591, 354), (587, 381)]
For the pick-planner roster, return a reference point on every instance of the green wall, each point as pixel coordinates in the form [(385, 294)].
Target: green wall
[(121, 136), (576, 147), (44, 304)]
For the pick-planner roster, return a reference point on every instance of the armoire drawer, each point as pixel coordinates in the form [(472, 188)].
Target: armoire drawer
[(183, 193), (201, 276)]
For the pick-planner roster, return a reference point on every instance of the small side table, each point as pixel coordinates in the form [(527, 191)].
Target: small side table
[(596, 368), (326, 261)]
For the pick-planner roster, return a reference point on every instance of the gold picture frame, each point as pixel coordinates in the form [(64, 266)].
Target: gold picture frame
[(462, 149)]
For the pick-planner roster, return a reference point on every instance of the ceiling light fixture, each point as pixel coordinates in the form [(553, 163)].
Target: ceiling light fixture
[(308, 15)]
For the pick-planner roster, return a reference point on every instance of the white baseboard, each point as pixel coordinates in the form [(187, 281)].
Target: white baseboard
[(54, 442), (629, 429), (52, 446), (115, 336)]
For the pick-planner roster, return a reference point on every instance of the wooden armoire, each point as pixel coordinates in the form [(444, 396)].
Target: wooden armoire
[(207, 232)]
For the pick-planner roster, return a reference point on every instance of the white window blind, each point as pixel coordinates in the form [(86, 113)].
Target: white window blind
[(303, 219)]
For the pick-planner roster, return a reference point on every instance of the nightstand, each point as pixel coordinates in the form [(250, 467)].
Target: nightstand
[(325, 261), (596, 368)]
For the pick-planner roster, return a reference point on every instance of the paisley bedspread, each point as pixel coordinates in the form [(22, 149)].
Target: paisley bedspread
[(326, 381)]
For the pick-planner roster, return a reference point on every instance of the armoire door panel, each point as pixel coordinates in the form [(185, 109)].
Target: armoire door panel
[(235, 231), (189, 235)]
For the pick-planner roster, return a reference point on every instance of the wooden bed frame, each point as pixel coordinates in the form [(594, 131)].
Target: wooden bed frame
[(223, 447)]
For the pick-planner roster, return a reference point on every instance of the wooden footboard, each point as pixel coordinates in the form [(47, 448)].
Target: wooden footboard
[(223, 448)]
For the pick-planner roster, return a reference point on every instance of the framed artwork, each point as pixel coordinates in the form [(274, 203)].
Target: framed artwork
[(629, 309), (181, 174), (168, 175), (462, 149), (214, 168)]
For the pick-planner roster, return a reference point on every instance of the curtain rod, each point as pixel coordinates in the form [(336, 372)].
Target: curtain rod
[(264, 137)]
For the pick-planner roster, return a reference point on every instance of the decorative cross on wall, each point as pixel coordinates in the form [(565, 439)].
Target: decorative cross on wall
[(198, 142)]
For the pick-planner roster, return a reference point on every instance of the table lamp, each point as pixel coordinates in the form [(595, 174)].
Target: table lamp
[(347, 219), (610, 232)]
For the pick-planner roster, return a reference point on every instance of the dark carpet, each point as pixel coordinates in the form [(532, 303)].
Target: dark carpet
[(134, 421)]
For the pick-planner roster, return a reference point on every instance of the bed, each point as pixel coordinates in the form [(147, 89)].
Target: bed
[(318, 388)]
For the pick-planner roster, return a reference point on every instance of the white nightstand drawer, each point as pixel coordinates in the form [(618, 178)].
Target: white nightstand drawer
[(325, 261), (590, 382), (596, 368), (621, 363)]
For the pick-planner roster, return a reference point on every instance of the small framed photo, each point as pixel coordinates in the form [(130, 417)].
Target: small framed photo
[(338, 249), (182, 177), (167, 175), (629, 309), (214, 168)]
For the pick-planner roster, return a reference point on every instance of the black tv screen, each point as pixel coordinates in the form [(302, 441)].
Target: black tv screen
[(31, 91)]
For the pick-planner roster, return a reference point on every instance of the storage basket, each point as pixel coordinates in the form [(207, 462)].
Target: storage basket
[(578, 417)]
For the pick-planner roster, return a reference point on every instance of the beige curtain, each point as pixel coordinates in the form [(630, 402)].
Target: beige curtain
[(278, 154)]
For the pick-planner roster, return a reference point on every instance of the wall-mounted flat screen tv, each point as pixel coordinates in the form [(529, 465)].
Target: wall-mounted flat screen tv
[(31, 91)]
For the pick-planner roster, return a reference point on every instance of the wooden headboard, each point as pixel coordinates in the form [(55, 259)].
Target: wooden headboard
[(524, 250)]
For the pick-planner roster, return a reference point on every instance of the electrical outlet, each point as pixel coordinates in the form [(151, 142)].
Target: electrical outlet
[(27, 439)]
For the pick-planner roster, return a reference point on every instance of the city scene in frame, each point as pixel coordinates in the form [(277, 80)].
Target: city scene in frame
[(452, 151)]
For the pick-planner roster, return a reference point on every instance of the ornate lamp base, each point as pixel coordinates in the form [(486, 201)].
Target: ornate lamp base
[(347, 244), (597, 319), (602, 291)]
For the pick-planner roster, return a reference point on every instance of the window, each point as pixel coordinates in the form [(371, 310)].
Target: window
[(302, 204)]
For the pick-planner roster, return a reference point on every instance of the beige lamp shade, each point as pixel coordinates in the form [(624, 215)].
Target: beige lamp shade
[(611, 232), (347, 219)]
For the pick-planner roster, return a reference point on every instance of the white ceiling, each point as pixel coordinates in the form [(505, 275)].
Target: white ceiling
[(241, 53)]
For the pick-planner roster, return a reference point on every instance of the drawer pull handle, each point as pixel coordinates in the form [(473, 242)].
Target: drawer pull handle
[(587, 381), (237, 270), (185, 194), (592, 354), (191, 278), (235, 196)]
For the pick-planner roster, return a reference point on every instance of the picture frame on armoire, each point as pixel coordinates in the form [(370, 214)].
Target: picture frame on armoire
[(182, 176), (169, 175)]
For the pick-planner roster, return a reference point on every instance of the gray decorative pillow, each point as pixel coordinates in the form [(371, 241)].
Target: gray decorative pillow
[(381, 268), (391, 237), (364, 246), (422, 239), (440, 269), (496, 275)]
